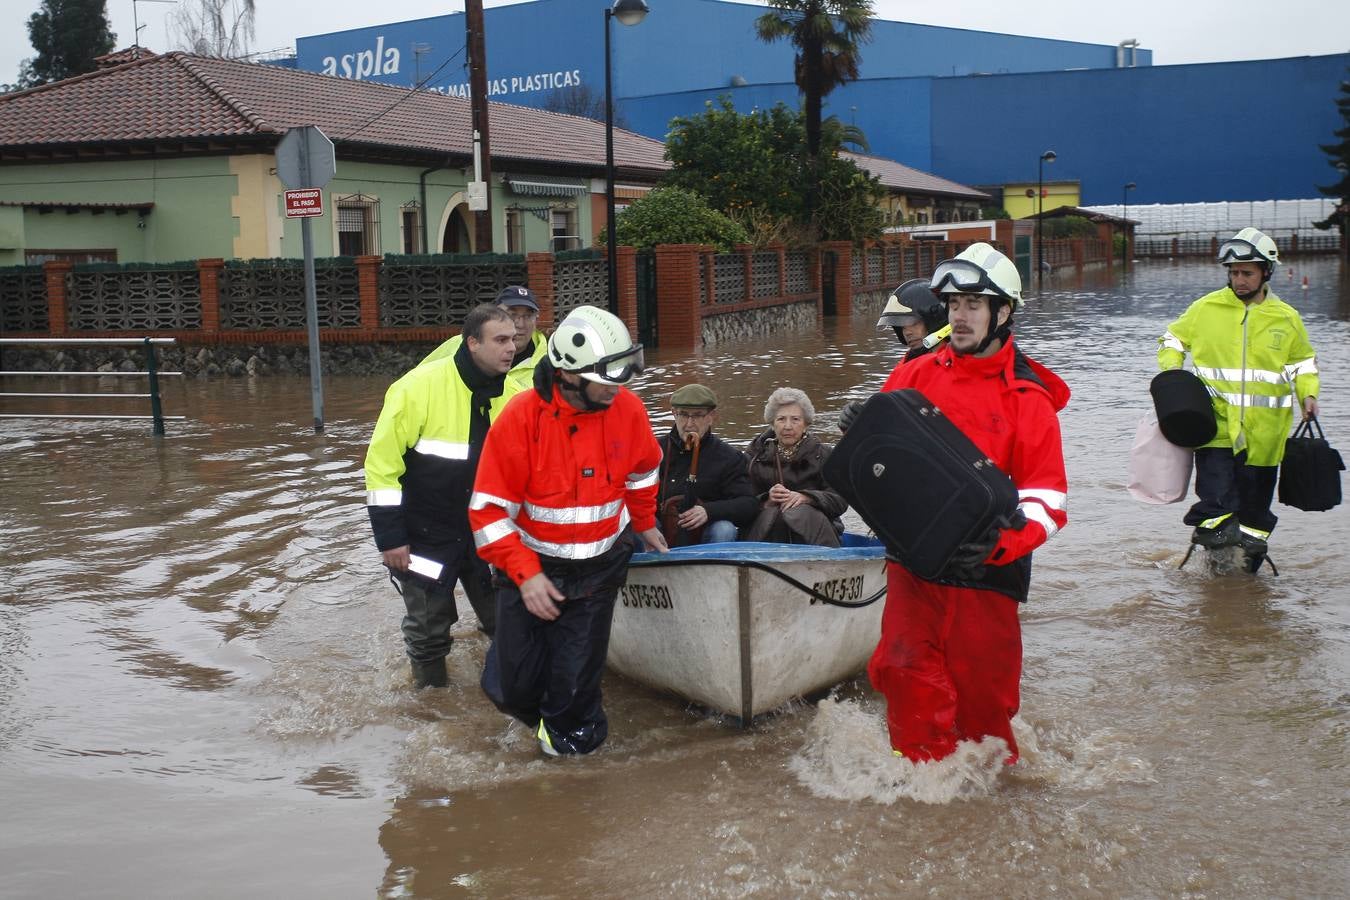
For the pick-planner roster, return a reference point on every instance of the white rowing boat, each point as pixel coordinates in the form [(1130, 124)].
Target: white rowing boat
[(743, 627)]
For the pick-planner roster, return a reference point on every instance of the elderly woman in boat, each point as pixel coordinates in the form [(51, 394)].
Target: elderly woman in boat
[(796, 505)]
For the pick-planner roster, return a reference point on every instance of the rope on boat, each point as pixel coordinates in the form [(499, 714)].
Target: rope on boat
[(815, 595)]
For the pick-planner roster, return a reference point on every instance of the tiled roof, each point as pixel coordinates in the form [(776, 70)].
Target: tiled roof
[(77, 204), (125, 55), (911, 181), (182, 97), (1091, 215)]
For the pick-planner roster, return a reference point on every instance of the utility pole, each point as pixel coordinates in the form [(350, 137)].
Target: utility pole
[(478, 102)]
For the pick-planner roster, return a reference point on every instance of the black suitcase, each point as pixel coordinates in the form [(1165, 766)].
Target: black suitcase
[(917, 481)]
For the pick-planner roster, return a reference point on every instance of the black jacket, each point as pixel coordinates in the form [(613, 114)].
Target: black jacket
[(803, 473), (722, 486)]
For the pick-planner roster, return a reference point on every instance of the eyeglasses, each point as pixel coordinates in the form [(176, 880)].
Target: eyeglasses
[(528, 316), (617, 368), (693, 415), (965, 277), (1237, 250)]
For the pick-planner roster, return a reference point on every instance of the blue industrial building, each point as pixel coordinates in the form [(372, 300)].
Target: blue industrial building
[(974, 107)]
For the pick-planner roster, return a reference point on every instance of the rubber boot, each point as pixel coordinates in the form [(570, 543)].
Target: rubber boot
[(429, 674), (1224, 535), (1254, 551)]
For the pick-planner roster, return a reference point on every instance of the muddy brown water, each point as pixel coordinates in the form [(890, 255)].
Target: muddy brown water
[(203, 691)]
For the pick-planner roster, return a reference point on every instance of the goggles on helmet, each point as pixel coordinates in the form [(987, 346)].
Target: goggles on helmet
[(1238, 250), (617, 368), (965, 278), (899, 319)]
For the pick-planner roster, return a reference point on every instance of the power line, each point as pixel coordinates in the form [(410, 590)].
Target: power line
[(413, 90)]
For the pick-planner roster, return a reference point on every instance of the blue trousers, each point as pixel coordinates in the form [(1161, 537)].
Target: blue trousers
[(1224, 483), (537, 669)]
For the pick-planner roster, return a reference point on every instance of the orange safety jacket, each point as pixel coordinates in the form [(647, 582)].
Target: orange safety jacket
[(560, 482)]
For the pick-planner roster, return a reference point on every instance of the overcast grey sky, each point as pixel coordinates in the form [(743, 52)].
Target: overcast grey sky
[(1177, 31)]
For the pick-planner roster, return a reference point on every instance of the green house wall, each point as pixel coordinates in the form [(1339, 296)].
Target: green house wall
[(230, 207)]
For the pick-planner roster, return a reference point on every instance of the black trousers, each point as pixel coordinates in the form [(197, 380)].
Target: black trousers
[(1224, 483), (430, 607), (536, 669)]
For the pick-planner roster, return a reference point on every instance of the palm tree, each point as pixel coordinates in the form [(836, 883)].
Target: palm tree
[(827, 35)]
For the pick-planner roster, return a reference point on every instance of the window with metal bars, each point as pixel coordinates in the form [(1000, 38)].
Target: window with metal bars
[(358, 225), (410, 219)]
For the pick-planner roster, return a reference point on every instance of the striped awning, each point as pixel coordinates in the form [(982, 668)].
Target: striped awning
[(536, 186)]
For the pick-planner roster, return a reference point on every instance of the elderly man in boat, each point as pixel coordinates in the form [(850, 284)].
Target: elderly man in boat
[(705, 495), (786, 463)]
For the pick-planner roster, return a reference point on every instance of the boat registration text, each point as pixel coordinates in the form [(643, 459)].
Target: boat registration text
[(840, 588), (650, 596)]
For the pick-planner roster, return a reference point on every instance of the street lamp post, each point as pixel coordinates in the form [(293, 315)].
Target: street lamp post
[(1124, 224), (1046, 157), (628, 12)]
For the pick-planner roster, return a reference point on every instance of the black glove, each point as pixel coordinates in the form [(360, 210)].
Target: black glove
[(849, 414), (967, 563)]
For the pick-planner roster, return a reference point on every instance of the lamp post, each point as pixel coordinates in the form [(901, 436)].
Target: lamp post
[(1046, 157), (1125, 225), (628, 12)]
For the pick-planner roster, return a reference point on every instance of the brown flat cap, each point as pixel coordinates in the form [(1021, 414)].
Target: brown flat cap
[(694, 396)]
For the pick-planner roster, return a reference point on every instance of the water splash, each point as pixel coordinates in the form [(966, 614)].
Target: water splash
[(847, 756)]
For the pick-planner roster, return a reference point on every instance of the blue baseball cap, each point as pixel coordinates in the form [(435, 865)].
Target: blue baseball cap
[(516, 295)]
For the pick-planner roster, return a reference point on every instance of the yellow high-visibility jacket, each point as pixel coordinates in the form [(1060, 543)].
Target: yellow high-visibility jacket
[(422, 460), (1256, 361), (522, 372)]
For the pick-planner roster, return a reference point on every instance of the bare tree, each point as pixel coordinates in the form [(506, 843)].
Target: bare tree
[(214, 27), (580, 100)]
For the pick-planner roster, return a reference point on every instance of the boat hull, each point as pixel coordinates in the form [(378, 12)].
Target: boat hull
[(720, 626)]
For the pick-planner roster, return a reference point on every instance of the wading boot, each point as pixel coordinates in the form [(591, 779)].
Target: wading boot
[(429, 674), (1254, 551), (546, 742), (1215, 533)]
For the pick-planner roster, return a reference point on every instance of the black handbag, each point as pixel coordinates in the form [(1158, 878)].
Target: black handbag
[(1310, 475)]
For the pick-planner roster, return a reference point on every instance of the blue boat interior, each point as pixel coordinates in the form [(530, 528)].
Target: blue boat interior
[(854, 546)]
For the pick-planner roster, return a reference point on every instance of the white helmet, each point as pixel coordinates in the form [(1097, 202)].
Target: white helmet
[(979, 269), (595, 344), (1249, 245)]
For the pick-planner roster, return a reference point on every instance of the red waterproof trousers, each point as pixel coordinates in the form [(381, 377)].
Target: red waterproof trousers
[(949, 662)]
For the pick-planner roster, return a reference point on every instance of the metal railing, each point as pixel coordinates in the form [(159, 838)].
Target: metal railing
[(151, 371)]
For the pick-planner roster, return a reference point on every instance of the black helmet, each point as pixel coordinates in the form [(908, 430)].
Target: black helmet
[(913, 302)]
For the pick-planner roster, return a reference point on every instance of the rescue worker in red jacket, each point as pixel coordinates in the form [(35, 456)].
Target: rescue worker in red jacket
[(568, 473), (918, 317), (950, 656)]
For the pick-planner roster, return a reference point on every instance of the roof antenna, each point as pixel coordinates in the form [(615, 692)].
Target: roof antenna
[(137, 26)]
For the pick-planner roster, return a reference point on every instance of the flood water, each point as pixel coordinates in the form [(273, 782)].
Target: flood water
[(203, 690)]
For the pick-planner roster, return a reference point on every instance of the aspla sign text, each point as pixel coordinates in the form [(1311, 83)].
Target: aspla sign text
[(380, 61)]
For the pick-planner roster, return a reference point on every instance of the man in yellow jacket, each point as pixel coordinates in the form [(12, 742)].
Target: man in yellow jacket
[(531, 343), (420, 468), (1251, 350)]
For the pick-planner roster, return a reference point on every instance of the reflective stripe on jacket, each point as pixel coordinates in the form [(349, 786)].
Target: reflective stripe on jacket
[(1256, 361), (562, 483), (420, 463)]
